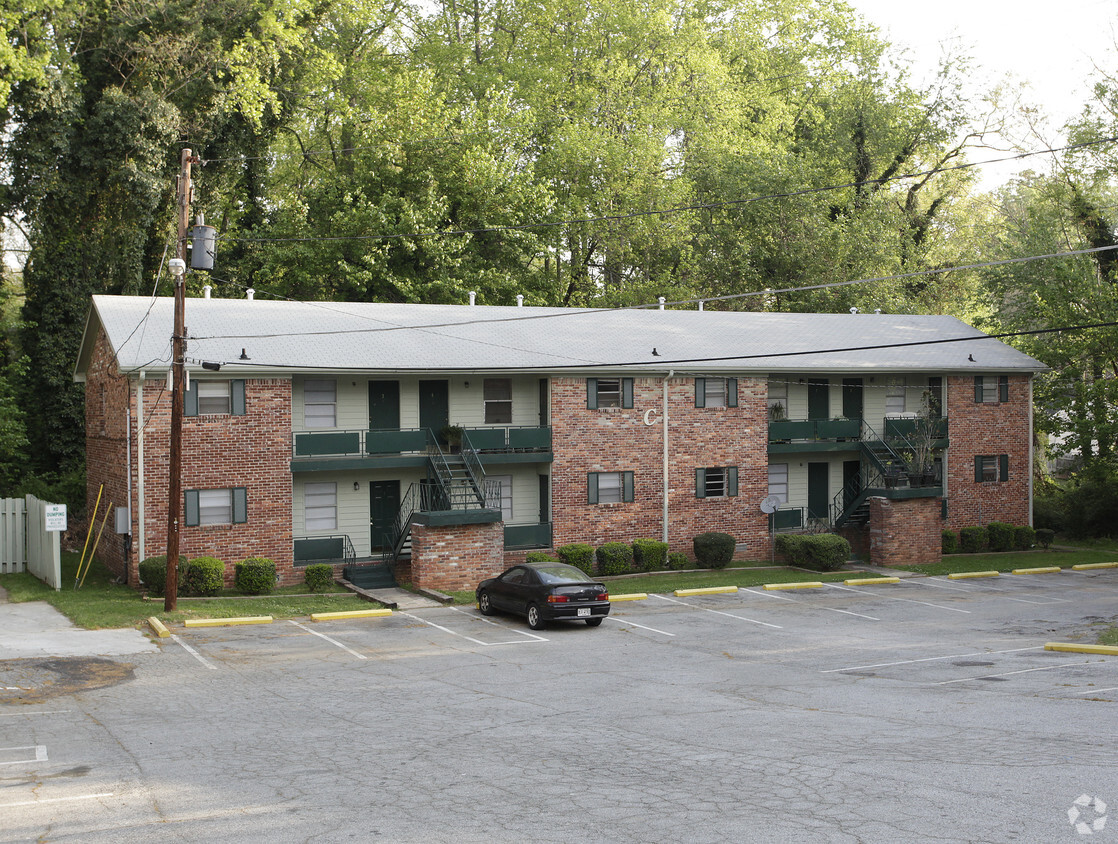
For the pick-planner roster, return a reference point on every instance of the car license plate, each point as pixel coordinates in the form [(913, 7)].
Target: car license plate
[(583, 612)]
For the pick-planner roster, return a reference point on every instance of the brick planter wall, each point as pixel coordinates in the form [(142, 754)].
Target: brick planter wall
[(456, 557), (617, 440), (905, 531)]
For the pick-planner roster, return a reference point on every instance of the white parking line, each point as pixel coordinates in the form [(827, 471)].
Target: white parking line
[(641, 626), (794, 601), (717, 612), (328, 639), (37, 712), (895, 598), (1098, 691), (1008, 673), (974, 589), (478, 617), (471, 638), (55, 800), (194, 653), (39, 756), (929, 659)]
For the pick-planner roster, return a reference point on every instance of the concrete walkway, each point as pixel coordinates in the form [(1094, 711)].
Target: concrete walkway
[(36, 629)]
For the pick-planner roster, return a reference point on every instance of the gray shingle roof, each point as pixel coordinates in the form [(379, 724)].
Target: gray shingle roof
[(339, 336)]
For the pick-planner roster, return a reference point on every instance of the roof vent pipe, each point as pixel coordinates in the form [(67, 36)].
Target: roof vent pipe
[(853, 310), (701, 303), (473, 297), (520, 300), (206, 291), (877, 311), (660, 299), (250, 293)]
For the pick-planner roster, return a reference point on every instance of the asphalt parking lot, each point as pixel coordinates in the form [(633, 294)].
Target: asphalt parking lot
[(923, 710)]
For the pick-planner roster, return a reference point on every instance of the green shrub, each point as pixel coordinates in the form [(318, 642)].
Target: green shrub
[(577, 554), (539, 557), (1023, 537), (650, 554), (713, 550), (615, 558), (1045, 536), (678, 561), (153, 573), (255, 576), (318, 576), (973, 540), (819, 552), (999, 535), (204, 577), (1048, 511), (949, 542)]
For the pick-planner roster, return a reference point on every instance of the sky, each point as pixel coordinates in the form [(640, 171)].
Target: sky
[(1051, 46)]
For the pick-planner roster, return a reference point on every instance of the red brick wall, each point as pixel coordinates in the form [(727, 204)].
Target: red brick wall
[(904, 531), (987, 429), (617, 440), (456, 557)]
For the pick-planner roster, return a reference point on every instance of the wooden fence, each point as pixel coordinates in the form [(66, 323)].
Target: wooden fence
[(26, 544)]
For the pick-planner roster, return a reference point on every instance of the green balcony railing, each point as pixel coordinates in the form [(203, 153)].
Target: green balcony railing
[(519, 537), (416, 441), (815, 430), (319, 443), (395, 441)]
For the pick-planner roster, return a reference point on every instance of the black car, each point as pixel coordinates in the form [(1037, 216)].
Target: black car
[(545, 592)]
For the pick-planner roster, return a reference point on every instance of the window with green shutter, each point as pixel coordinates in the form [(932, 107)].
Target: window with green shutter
[(609, 487), (716, 482), (609, 392)]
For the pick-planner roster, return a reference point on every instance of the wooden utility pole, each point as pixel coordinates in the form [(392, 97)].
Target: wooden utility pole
[(178, 378)]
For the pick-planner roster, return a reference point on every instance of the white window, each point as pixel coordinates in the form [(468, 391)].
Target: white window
[(214, 397), (778, 399), (320, 403), (895, 397), (715, 392), (320, 506), (215, 506), (502, 498), (778, 481), (498, 401), (609, 393), (610, 487)]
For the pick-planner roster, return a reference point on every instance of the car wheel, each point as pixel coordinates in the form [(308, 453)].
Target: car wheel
[(594, 622), (483, 604), (535, 620)]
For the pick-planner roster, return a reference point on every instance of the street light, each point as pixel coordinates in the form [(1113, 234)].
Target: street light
[(177, 266)]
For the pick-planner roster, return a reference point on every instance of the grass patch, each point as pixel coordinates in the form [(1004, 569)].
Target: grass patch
[(1109, 636), (1010, 561), (103, 603)]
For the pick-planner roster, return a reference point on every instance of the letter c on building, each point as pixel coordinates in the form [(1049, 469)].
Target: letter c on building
[(648, 420)]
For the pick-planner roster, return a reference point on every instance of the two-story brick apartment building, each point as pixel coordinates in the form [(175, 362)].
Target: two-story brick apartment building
[(342, 432)]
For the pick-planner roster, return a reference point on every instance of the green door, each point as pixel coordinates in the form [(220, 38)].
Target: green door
[(384, 405), (818, 498), (434, 406), (818, 398), (852, 398), (384, 503)]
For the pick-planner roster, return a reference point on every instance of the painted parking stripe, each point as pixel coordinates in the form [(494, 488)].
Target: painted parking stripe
[(641, 626), (794, 601), (479, 617), (471, 638), (929, 659), (26, 757), (193, 653), (719, 612), (975, 588), (895, 598), (328, 639), (1098, 691), (56, 800), (1008, 673)]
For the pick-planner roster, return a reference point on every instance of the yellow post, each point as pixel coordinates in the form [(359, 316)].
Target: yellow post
[(88, 534), (97, 542)]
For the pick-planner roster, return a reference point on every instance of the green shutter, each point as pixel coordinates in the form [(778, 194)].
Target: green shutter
[(240, 505), (592, 488), (592, 394), (700, 483), (1003, 467), (191, 498), (627, 484), (731, 392), (731, 480), (1003, 388), (626, 392), (700, 392), (978, 388), (191, 400), (978, 468), (237, 387)]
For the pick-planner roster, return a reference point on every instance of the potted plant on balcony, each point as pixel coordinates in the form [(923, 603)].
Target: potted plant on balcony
[(925, 432), (452, 436)]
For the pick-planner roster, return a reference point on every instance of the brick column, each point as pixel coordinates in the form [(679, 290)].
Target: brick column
[(456, 557), (905, 531)]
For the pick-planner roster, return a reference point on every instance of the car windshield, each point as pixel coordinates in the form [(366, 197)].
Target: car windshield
[(560, 573)]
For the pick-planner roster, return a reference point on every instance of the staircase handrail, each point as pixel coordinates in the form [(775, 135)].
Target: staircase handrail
[(473, 466)]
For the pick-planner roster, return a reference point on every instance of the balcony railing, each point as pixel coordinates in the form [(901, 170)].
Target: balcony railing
[(519, 537), (505, 440), (815, 429)]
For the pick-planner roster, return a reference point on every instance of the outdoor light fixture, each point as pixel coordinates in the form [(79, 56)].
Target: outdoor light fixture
[(356, 486), (213, 366), (177, 266)]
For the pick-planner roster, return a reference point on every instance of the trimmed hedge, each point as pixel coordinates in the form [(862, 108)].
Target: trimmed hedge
[(615, 558), (650, 554), (539, 557), (1000, 536), (677, 561), (973, 540), (318, 576), (255, 576), (949, 543), (819, 552), (153, 573), (1023, 537), (1045, 536), (204, 577), (713, 550), (577, 554)]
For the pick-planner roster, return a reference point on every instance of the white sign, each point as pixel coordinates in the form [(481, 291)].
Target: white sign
[(55, 516)]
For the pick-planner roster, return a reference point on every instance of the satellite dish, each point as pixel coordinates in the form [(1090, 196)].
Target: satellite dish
[(771, 504)]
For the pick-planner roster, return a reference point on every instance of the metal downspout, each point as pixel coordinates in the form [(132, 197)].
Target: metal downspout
[(1032, 454), (664, 537), (142, 550)]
